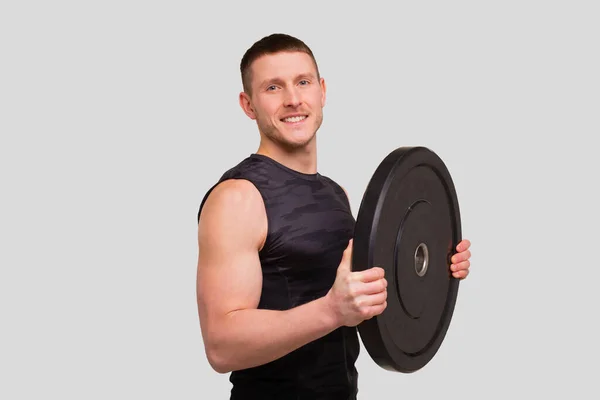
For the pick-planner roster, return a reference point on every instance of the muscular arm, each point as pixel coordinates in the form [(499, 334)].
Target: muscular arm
[(236, 334)]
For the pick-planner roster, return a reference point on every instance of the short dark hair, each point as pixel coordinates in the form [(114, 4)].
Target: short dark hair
[(274, 43)]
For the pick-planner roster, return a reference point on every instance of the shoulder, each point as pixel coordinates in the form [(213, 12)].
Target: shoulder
[(234, 190), (345, 192), (234, 181), (234, 208), (337, 187), (234, 196)]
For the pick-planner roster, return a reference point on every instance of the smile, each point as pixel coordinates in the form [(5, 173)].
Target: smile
[(294, 119)]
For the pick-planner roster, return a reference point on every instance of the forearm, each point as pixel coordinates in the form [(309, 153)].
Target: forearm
[(252, 337)]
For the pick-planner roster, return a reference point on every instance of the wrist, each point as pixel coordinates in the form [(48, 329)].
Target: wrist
[(329, 309)]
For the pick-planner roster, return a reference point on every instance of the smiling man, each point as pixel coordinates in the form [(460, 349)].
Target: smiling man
[(285, 94), (277, 299)]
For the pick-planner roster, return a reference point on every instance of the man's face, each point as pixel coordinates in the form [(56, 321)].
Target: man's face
[(287, 98)]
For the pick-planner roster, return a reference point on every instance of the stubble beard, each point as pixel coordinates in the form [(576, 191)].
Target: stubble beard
[(273, 134)]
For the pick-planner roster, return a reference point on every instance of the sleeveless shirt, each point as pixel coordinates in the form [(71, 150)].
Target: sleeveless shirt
[(309, 226)]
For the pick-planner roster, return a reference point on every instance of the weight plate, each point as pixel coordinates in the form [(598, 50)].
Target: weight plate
[(409, 224)]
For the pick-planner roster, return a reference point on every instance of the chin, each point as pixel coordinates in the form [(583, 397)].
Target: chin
[(291, 138), (299, 139)]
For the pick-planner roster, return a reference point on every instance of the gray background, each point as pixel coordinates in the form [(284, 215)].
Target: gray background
[(117, 116)]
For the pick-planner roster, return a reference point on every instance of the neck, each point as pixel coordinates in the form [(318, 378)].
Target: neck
[(302, 159)]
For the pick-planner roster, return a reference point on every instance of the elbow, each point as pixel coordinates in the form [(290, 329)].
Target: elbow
[(218, 364), (217, 359)]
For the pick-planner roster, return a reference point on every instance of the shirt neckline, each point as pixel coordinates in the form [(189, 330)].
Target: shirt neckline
[(287, 169)]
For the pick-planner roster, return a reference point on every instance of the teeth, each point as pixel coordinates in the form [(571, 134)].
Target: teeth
[(294, 119)]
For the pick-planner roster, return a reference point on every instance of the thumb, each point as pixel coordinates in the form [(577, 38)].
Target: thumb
[(346, 263)]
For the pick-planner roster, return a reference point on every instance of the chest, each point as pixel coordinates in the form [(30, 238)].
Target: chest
[(309, 226)]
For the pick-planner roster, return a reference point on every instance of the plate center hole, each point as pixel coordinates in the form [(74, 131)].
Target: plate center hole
[(421, 259)]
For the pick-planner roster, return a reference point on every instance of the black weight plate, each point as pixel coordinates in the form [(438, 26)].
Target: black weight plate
[(409, 213)]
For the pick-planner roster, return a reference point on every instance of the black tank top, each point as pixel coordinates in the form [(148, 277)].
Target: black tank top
[(309, 226)]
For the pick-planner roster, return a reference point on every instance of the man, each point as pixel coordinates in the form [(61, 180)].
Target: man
[(278, 301)]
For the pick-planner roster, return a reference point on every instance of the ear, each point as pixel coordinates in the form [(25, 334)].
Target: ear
[(324, 92), (246, 105)]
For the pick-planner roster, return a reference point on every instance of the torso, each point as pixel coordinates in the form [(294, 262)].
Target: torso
[(309, 225)]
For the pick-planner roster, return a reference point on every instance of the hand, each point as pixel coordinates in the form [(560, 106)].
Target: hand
[(461, 260), (357, 295)]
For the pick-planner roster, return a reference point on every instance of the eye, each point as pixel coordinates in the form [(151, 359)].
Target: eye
[(304, 82), (271, 87)]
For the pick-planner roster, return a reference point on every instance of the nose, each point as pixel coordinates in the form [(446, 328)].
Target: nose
[(292, 98)]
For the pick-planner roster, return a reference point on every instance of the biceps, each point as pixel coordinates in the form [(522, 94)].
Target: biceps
[(227, 281), (231, 227)]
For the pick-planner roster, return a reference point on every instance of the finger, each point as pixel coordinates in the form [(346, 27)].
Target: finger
[(463, 245), (369, 275), (360, 289), (462, 274), (371, 287), (458, 257), (460, 266), (365, 301), (372, 311)]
